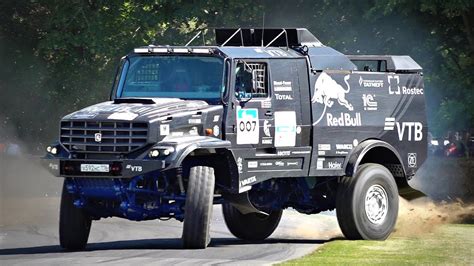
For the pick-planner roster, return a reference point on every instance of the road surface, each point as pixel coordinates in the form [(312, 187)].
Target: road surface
[(29, 231)]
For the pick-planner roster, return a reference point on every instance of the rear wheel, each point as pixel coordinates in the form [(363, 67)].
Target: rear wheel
[(367, 203), (252, 226), (74, 223), (198, 207)]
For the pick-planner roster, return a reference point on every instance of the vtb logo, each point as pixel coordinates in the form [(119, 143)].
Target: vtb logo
[(413, 130)]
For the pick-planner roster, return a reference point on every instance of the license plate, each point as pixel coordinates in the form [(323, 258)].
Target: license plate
[(97, 168)]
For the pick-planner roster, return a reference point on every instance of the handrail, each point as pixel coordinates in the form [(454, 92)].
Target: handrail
[(274, 39), (232, 36), (192, 39)]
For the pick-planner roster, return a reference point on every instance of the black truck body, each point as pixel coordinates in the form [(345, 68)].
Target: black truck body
[(278, 121)]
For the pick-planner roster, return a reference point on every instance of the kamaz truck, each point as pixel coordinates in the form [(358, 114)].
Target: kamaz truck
[(267, 119)]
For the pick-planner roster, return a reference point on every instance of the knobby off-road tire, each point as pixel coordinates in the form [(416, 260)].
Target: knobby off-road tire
[(198, 207), (252, 226), (367, 203), (74, 223)]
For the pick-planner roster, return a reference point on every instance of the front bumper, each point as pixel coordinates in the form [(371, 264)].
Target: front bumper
[(65, 167)]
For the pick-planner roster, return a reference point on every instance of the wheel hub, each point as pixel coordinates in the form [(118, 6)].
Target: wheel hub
[(376, 204)]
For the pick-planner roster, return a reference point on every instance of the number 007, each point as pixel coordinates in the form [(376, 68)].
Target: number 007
[(247, 126)]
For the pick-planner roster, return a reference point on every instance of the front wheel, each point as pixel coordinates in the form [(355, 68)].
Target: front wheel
[(367, 203), (252, 226), (198, 207), (74, 223)]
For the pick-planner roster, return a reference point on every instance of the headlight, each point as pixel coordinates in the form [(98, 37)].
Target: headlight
[(154, 153), (53, 150)]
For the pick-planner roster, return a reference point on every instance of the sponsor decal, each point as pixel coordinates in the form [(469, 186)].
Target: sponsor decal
[(324, 147), (247, 126), (240, 167), (285, 129), (267, 141), (370, 83), (194, 121), (298, 130), (216, 118), (164, 130), (369, 102), (283, 97), (248, 181), (134, 168), (193, 131), (252, 164), (394, 87), (216, 130), (335, 165), (282, 86), (412, 160), (177, 134), (327, 90), (355, 142), (342, 152), (344, 146), (300, 152), (53, 166), (283, 153), (292, 163), (344, 120), (123, 116), (266, 104), (266, 164), (98, 137), (279, 163), (320, 163), (412, 130), (266, 128), (321, 153)]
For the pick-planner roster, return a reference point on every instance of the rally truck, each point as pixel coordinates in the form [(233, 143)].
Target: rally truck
[(266, 119)]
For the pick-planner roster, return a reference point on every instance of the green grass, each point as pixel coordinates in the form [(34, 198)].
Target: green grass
[(450, 244)]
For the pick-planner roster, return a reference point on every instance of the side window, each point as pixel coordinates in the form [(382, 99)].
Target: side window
[(251, 79)]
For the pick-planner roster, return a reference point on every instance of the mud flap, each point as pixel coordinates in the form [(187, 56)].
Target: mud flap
[(242, 202), (410, 193)]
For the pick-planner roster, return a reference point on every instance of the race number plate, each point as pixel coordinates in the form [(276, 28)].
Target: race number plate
[(247, 126), (96, 168)]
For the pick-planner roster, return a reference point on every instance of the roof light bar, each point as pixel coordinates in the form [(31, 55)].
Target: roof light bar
[(180, 50), (201, 51)]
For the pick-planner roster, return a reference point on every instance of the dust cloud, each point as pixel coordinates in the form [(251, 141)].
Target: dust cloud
[(423, 216)]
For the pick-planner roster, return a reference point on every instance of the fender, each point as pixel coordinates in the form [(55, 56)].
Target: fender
[(361, 150), (357, 155), (183, 146)]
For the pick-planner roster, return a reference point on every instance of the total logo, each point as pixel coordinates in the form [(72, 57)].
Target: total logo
[(412, 160), (411, 131), (395, 88)]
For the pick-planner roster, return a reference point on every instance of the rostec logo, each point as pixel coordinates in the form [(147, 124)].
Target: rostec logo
[(98, 137), (413, 130), (393, 81), (394, 87), (369, 102)]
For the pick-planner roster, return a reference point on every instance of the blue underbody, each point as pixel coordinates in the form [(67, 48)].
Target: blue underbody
[(158, 196)]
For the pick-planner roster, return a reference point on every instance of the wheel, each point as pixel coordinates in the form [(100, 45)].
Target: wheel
[(252, 226), (198, 207), (367, 204), (74, 223)]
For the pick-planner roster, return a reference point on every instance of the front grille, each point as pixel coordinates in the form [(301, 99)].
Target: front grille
[(103, 137)]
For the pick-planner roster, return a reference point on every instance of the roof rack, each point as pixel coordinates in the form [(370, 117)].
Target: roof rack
[(274, 37)]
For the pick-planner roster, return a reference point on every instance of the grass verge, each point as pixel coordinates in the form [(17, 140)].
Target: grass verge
[(449, 244)]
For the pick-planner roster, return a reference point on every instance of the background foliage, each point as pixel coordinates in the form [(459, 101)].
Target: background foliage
[(59, 56)]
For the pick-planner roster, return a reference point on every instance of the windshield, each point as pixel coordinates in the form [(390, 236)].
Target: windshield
[(185, 77)]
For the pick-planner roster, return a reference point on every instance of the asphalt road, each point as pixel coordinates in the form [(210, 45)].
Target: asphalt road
[(29, 207), (118, 241)]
